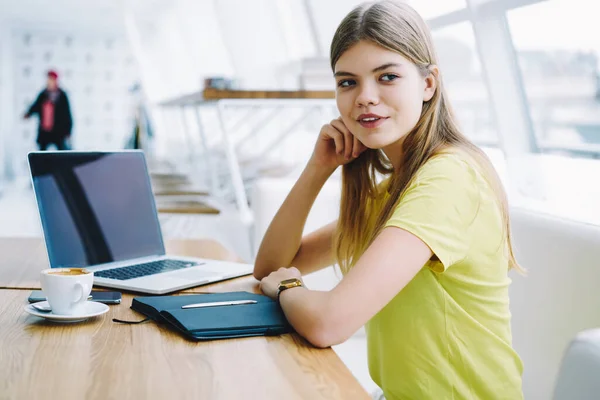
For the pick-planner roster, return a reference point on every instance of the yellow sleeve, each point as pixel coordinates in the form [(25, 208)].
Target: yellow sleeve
[(439, 207)]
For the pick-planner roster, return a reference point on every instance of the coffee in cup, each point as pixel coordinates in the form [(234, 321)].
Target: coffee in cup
[(68, 271), (67, 289)]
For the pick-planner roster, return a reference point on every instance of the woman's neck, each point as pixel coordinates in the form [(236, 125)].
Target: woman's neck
[(394, 152)]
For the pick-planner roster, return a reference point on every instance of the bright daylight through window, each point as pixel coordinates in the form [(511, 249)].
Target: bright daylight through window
[(559, 64)]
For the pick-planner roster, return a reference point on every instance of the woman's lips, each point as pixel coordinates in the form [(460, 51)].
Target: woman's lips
[(371, 122)]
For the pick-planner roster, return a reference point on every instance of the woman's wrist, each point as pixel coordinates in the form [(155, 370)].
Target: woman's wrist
[(283, 293), (317, 172)]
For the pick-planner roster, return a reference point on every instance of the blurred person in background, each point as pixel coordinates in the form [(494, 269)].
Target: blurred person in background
[(52, 107)]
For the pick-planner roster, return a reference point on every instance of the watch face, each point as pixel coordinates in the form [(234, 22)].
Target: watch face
[(288, 284)]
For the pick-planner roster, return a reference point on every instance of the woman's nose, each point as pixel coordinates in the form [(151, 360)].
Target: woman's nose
[(367, 96)]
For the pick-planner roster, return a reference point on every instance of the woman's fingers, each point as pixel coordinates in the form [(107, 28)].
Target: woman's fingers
[(358, 148), (348, 137), (336, 136), (346, 144)]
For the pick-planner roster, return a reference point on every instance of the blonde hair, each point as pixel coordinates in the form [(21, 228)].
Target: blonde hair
[(398, 27)]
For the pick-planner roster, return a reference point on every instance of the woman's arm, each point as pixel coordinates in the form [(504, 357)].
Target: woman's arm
[(283, 244), (328, 318), (435, 216), (316, 250)]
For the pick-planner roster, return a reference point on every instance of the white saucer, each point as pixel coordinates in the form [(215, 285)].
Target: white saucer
[(90, 309)]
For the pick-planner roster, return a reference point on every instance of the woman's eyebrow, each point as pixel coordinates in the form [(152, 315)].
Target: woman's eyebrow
[(381, 67), (386, 66)]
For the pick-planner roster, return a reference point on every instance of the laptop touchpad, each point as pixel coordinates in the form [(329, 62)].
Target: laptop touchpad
[(193, 274)]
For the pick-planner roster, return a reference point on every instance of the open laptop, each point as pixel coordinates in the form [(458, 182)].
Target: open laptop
[(98, 212)]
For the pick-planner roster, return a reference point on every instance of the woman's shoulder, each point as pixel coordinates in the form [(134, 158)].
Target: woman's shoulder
[(454, 164), (453, 158)]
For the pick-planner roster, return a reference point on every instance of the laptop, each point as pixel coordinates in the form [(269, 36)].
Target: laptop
[(98, 212)]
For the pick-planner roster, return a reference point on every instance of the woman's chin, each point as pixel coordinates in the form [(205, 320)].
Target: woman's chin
[(377, 143)]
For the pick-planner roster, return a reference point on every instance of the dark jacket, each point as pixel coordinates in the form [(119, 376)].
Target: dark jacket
[(63, 122)]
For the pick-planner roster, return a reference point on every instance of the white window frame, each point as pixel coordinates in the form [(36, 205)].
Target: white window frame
[(501, 72)]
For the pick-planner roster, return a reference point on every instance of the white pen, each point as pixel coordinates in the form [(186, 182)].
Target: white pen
[(219, 303)]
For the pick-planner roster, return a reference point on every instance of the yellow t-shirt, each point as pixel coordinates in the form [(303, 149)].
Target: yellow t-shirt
[(447, 334)]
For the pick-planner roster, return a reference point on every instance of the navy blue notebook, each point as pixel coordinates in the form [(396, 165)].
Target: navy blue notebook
[(264, 318)]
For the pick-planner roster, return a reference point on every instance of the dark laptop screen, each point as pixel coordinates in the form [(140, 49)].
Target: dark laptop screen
[(95, 207)]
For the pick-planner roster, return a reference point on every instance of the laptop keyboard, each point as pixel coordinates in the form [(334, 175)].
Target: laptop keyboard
[(138, 270)]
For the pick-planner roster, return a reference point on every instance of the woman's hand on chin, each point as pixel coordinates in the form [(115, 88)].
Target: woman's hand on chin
[(336, 146)]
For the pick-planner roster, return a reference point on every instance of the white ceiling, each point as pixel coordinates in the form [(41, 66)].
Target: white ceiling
[(102, 15)]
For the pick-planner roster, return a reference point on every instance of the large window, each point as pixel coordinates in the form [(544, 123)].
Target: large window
[(558, 57), (461, 72)]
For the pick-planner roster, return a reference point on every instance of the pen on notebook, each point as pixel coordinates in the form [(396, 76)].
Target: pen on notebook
[(220, 303)]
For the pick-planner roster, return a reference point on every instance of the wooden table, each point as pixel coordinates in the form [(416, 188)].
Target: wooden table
[(100, 359)]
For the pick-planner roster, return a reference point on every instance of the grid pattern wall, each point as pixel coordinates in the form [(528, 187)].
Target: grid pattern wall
[(97, 72)]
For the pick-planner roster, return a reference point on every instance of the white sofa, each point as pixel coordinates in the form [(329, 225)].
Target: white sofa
[(558, 298)]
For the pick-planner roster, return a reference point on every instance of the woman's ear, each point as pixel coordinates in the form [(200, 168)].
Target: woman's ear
[(431, 82)]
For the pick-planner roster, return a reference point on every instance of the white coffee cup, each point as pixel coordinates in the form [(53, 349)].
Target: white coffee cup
[(67, 289)]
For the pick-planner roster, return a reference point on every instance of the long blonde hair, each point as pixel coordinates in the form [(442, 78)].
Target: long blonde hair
[(399, 28)]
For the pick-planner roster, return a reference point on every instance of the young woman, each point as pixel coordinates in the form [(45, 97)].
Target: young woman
[(426, 252)]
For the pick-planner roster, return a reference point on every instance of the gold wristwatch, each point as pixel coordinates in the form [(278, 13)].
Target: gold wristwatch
[(288, 284)]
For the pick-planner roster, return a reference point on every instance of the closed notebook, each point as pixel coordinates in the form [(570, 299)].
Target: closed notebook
[(264, 318)]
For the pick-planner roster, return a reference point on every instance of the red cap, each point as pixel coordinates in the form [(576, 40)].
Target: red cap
[(52, 74)]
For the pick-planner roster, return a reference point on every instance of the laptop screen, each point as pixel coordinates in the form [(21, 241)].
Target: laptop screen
[(95, 207)]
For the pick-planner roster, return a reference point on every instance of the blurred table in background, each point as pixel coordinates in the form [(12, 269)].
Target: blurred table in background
[(211, 94)]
